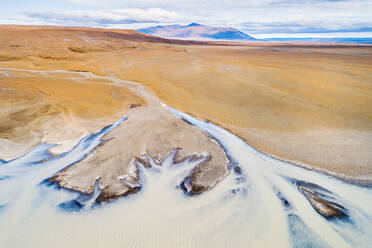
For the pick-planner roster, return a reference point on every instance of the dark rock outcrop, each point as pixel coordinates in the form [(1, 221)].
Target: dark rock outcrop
[(322, 200)]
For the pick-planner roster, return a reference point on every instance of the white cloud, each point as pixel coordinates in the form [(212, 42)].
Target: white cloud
[(251, 16), (176, 3), (104, 17)]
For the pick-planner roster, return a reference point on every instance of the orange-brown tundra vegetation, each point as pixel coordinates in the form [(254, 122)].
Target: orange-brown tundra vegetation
[(304, 102)]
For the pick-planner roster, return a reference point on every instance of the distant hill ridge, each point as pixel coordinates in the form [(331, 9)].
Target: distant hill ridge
[(196, 31)]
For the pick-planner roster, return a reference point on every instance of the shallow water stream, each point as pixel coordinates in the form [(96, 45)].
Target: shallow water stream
[(263, 202), (258, 205)]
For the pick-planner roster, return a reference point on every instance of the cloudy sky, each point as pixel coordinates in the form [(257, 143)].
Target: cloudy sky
[(260, 18)]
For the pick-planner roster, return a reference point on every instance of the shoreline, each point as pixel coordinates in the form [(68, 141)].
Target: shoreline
[(253, 195), (362, 182), (60, 148), (152, 99), (305, 105)]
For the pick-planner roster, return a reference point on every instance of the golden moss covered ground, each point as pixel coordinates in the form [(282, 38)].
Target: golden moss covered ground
[(309, 103)]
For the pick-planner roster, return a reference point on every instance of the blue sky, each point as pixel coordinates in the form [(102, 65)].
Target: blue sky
[(260, 18)]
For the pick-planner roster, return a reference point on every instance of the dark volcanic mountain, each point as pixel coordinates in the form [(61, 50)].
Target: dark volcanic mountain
[(196, 31)]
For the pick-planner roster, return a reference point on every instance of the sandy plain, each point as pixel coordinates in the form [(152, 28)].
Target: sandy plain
[(306, 103), (149, 136)]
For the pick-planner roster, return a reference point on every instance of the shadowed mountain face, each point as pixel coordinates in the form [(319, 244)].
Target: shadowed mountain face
[(196, 31)]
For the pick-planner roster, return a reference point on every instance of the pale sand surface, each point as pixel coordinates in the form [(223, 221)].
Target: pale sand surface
[(149, 133), (306, 103), (60, 110), (312, 149)]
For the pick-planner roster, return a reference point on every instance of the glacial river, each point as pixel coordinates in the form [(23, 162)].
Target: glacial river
[(263, 202), (258, 205)]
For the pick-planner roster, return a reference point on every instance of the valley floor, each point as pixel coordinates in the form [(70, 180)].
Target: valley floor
[(303, 102)]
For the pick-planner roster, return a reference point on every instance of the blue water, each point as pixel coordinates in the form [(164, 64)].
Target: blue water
[(341, 40)]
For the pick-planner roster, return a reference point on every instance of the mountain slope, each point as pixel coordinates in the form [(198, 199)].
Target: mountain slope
[(196, 31)]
